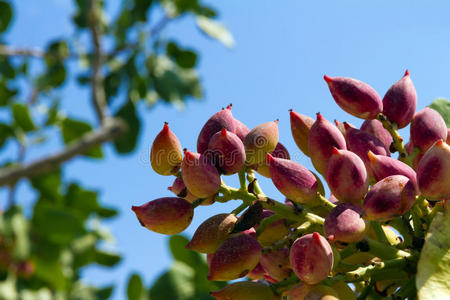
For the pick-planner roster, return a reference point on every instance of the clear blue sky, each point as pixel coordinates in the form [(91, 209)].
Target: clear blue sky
[(283, 49)]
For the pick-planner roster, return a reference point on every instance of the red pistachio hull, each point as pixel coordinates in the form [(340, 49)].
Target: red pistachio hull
[(355, 97), (167, 215), (400, 101)]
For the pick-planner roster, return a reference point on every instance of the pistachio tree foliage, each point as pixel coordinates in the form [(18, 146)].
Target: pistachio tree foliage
[(125, 63), (383, 233)]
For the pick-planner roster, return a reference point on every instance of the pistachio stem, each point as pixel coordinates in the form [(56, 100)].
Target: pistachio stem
[(398, 140)]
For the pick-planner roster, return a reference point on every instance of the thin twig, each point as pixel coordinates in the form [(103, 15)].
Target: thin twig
[(111, 129)]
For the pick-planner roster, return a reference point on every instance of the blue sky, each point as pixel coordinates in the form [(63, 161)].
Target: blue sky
[(282, 51)]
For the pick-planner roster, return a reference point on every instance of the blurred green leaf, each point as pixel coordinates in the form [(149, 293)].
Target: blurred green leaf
[(184, 58), (135, 287), (215, 30), (106, 259), (6, 94), (140, 9), (6, 68), (56, 50), (48, 185), (442, 106), (50, 271), (173, 84), (206, 11), (81, 291), (175, 284), (5, 15), (105, 212), (8, 288), (54, 76), (198, 263), (112, 84), (433, 277), (52, 114), (177, 244), (5, 132), (20, 229), (127, 142), (86, 202), (40, 294), (58, 225), (73, 130), (22, 117), (81, 15)]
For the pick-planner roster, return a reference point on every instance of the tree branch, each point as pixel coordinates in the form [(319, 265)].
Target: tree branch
[(12, 51), (111, 129), (98, 91)]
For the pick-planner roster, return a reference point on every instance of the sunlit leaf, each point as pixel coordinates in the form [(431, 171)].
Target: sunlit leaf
[(443, 107), (215, 30), (433, 269), (8, 289)]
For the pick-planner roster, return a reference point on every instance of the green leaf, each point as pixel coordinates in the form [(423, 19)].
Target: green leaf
[(5, 15), (127, 142), (433, 268), (58, 225), (442, 106), (48, 185), (52, 114), (20, 229), (184, 58), (175, 284), (22, 117), (5, 132), (6, 94), (177, 244), (8, 290), (140, 9), (56, 50), (41, 294), (172, 83), (106, 259), (215, 30), (73, 130), (198, 263), (106, 212), (6, 68), (81, 15), (50, 271), (135, 287)]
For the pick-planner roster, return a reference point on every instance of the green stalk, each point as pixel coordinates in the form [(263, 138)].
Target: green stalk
[(381, 250), (381, 235), (266, 222), (365, 273), (240, 208), (397, 139), (322, 202), (289, 239), (242, 181)]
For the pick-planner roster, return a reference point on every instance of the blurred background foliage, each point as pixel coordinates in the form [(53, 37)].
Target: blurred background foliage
[(124, 61)]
